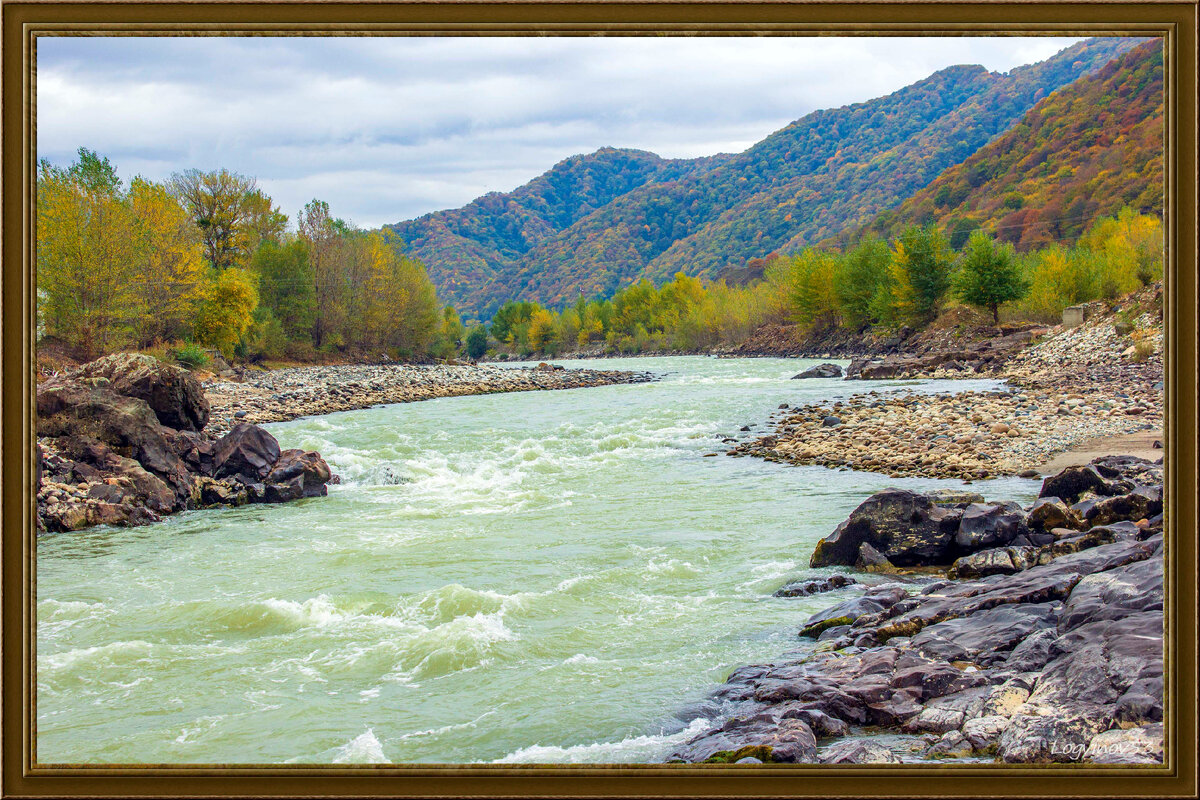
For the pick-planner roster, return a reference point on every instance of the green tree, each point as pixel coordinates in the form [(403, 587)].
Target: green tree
[(477, 342), (220, 203), (286, 287), (928, 263), (858, 278), (989, 275)]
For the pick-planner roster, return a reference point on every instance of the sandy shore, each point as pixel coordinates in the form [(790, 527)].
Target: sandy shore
[(1133, 444)]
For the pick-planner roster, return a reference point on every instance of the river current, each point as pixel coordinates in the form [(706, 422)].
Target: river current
[(530, 577)]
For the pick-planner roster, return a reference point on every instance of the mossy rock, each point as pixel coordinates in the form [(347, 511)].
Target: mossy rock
[(817, 628), (762, 752)]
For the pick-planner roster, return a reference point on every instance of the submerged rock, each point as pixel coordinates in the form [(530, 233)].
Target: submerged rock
[(820, 371), (812, 586)]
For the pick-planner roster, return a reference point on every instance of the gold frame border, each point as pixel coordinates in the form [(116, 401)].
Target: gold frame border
[(24, 21)]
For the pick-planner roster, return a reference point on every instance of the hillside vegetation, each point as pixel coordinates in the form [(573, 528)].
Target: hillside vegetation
[(471, 250), (876, 285), (1085, 151), (828, 172)]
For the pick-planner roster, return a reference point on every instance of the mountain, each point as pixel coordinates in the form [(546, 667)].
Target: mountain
[(470, 249), (1081, 153), (830, 171)]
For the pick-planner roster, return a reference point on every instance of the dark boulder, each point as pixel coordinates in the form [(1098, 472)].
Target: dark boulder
[(309, 467), (820, 371), (986, 636), (1073, 482), (1114, 594), (814, 586), (995, 561), (906, 527), (78, 414), (174, 394), (247, 451), (1142, 503), (985, 525), (765, 737), (1048, 513), (846, 612)]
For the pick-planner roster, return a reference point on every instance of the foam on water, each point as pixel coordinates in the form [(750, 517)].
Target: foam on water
[(362, 749), (632, 749)]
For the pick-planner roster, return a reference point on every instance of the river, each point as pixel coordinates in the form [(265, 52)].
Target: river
[(541, 576)]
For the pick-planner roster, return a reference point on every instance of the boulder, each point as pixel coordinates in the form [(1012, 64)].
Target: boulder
[(986, 636), (857, 751), (985, 525), (174, 394), (996, 561), (78, 414), (812, 586), (820, 371), (983, 733), (1114, 594), (1060, 735), (906, 527), (1048, 513), (763, 737), (1073, 482), (247, 452), (1142, 745), (848, 611), (309, 467), (1142, 503)]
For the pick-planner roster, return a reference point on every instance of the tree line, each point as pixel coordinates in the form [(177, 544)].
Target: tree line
[(874, 283), (208, 258)]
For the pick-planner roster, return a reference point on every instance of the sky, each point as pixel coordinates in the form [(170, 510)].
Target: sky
[(389, 128)]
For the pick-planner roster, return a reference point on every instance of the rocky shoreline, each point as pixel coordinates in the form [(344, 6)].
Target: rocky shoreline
[(1048, 647), (286, 394), (126, 440), (1071, 386)]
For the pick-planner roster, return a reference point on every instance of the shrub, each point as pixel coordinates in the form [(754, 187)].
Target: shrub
[(191, 356)]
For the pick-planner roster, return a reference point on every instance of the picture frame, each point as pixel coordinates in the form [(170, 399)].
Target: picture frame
[(24, 22)]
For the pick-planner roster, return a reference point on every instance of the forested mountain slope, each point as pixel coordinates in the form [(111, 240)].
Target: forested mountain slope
[(828, 172), (1083, 152), (467, 249)]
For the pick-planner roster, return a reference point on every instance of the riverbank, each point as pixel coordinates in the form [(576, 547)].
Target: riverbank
[(126, 440), (287, 394), (1050, 651), (1074, 386)]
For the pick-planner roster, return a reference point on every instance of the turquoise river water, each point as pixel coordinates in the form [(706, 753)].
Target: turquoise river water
[(532, 577)]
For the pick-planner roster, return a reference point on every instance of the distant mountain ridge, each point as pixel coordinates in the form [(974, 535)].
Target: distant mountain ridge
[(468, 249), (596, 222)]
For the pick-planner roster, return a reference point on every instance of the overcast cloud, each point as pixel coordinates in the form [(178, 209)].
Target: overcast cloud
[(386, 129)]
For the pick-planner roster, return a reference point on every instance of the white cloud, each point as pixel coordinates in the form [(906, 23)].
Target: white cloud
[(388, 128)]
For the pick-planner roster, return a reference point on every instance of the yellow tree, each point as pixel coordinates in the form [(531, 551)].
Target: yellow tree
[(226, 310), (402, 306), (543, 333), (85, 248), (168, 264)]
